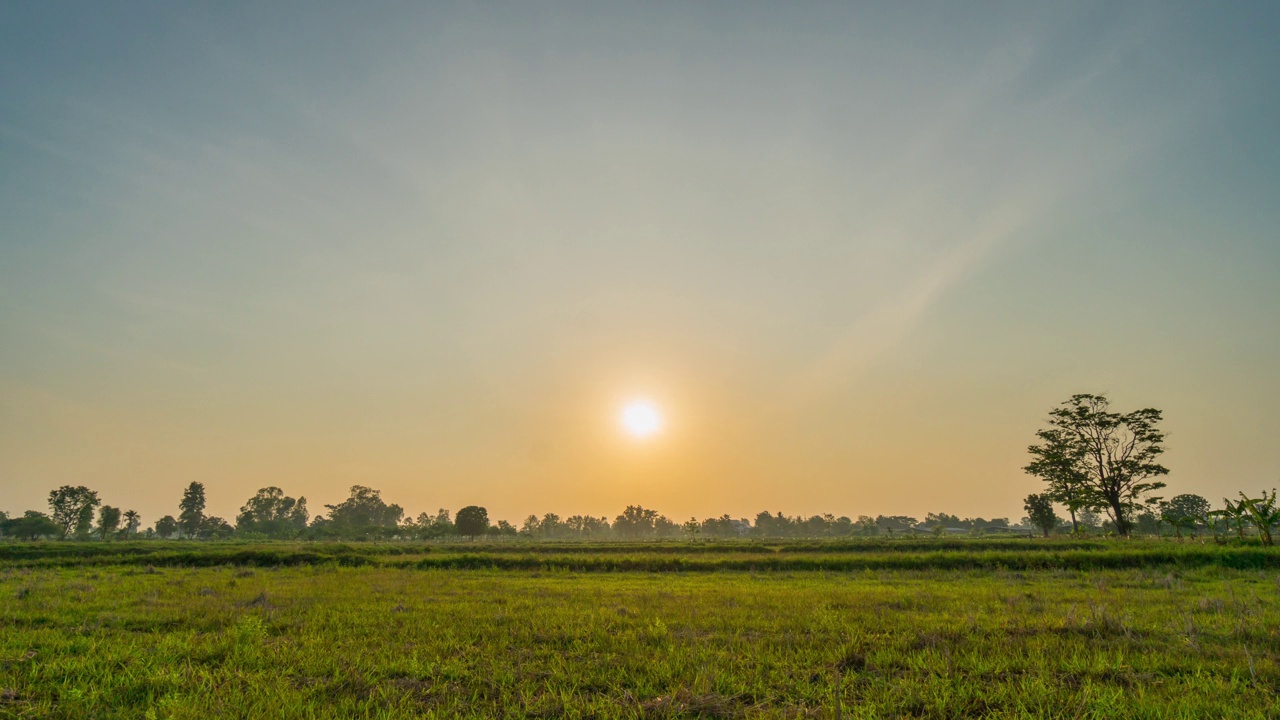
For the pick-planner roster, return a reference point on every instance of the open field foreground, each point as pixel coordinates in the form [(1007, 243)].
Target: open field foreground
[(126, 640)]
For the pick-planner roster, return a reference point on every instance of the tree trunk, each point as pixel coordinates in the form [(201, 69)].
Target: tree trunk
[(1117, 510)]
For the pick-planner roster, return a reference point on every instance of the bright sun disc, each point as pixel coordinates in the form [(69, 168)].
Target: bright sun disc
[(641, 419)]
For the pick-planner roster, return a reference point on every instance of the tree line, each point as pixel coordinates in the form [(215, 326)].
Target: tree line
[(1099, 465), (77, 513)]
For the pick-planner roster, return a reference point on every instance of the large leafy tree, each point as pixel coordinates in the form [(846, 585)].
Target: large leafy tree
[(1112, 454), (68, 505), (273, 513), (192, 507), (472, 520), (363, 511)]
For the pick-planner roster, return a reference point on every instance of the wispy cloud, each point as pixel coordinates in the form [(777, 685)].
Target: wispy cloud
[(1027, 187)]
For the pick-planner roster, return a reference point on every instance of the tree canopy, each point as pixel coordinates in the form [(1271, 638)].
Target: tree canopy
[(166, 526), (192, 507), (270, 512), (363, 510), (68, 506), (471, 521), (108, 521), (31, 526)]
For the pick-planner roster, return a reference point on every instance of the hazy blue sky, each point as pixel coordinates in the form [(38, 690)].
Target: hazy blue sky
[(854, 252)]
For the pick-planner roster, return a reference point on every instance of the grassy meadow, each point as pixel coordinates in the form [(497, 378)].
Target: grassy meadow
[(853, 629)]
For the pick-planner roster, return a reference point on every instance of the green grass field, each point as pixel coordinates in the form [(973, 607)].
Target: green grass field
[(956, 629)]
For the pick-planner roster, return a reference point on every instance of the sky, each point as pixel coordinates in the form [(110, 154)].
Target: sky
[(853, 253)]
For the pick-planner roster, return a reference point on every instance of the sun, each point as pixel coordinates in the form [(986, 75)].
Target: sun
[(641, 419)]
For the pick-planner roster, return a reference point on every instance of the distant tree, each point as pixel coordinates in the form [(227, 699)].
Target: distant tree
[(1184, 512), (817, 525), (779, 525), (166, 527), (722, 527), (132, 521), (664, 527), (421, 527), (32, 526), (575, 526), (1114, 454), (214, 528), (1167, 516), (635, 521), (943, 519), (364, 513), (320, 527), (270, 512), (84, 523), (530, 526), (434, 526), (586, 526), (505, 528), (692, 528), (896, 523), (471, 521), (1146, 522), (108, 522), (1089, 520), (763, 525), (192, 507), (841, 527), (865, 526), (1040, 511), (551, 527), (67, 505)]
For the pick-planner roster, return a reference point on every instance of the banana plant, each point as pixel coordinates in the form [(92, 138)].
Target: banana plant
[(1263, 513), (1236, 515), (1217, 523)]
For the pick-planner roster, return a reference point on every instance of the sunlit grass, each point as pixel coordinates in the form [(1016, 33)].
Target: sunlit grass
[(327, 641)]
